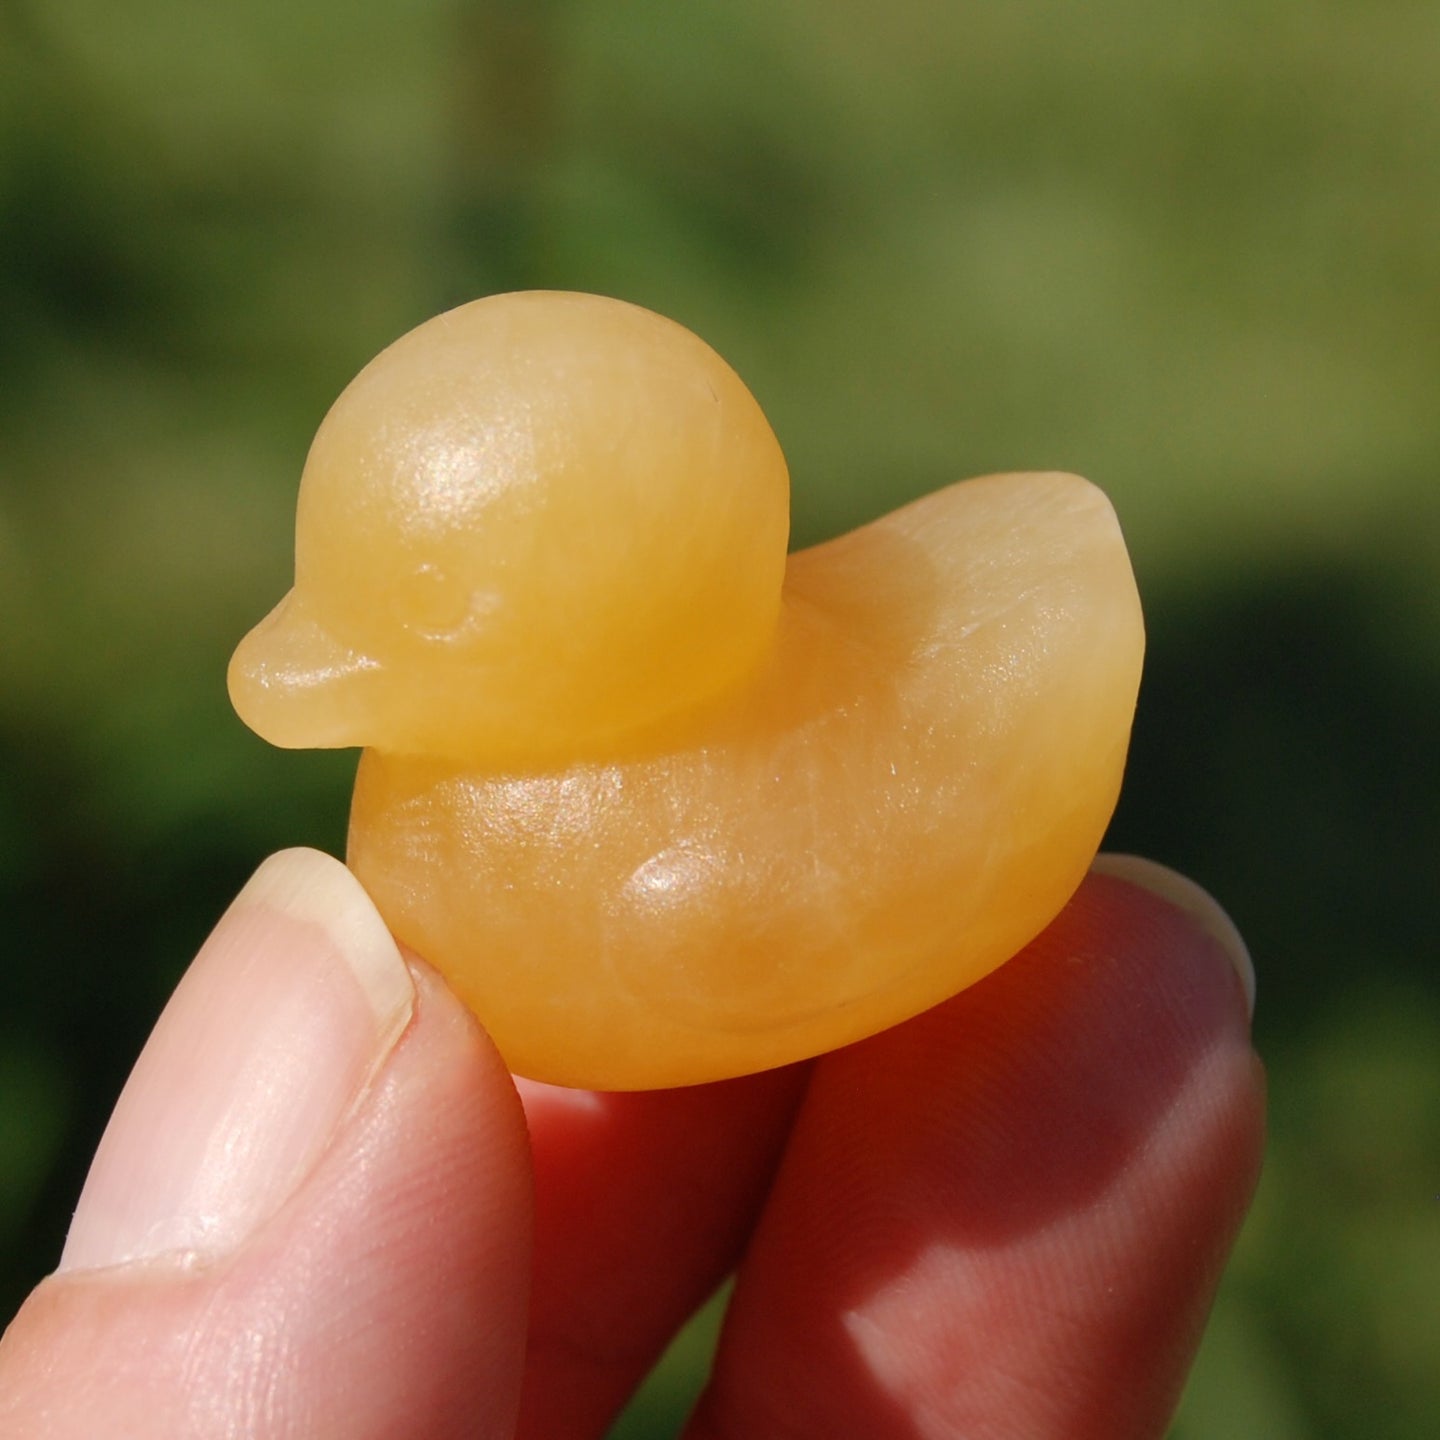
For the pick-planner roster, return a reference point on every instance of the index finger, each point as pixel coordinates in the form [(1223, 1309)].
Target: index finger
[(1009, 1215)]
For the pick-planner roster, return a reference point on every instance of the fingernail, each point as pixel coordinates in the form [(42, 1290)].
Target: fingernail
[(1196, 902), (269, 1041)]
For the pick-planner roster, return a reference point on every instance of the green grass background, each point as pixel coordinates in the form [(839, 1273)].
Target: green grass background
[(1190, 251)]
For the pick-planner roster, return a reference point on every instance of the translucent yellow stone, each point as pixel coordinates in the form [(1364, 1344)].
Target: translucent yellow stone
[(529, 527), (661, 807)]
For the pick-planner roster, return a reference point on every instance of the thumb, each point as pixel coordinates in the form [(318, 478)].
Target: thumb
[(310, 1212)]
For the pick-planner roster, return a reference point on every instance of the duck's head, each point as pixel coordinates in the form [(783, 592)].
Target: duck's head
[(533, 526)]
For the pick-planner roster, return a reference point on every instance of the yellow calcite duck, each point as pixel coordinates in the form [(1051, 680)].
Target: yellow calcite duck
[(662, 806)]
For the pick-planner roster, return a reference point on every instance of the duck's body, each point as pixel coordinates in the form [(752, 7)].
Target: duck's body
[(657, 819), (877, 820)]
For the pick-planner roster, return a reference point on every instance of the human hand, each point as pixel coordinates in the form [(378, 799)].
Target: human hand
[(317, 1211)]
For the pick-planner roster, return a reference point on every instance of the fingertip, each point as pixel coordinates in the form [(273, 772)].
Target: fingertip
[(1010, 1213), (644, 1202), (291, 1007), (1191, 899)]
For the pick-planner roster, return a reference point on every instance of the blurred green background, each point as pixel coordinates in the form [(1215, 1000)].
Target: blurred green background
[(1190, 251)]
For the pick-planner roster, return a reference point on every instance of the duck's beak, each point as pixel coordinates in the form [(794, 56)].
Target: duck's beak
[(296, 686)]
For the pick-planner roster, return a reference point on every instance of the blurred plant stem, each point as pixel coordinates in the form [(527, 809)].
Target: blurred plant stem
[(504, 88)]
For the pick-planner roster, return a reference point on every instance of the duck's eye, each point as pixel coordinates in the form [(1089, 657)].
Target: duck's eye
[(434, 606)]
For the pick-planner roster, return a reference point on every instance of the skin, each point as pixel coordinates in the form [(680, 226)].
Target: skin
[(1005, 1218)]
